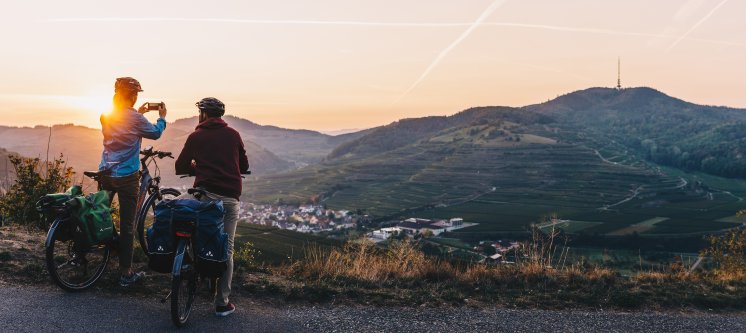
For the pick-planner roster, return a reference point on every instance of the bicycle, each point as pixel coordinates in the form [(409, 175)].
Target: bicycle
[(184, 274), (74, 268)]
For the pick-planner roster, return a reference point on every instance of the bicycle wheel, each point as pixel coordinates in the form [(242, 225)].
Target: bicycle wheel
[(73, 268), (146, 215), (183, 285)]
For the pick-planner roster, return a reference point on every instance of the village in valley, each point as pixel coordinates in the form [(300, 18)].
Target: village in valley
[(330, 222), (305, 218)]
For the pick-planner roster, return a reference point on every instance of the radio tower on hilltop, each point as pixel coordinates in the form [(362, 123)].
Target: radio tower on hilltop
[(619, 74)]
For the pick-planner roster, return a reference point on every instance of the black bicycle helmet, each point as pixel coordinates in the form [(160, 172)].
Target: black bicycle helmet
[(127, 85), (212, 106)]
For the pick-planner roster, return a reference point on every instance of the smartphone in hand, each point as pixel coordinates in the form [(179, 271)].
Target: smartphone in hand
[(147, 107)]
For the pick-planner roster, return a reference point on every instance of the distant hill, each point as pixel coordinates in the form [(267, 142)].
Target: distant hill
[(435, 161), (81, 147), (592, 155), (408, 131), (342, 131), (656, 127), (302, 147), (261, 160)]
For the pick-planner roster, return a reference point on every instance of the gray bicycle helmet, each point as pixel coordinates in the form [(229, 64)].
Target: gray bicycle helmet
[(127, 85), (212, 106)]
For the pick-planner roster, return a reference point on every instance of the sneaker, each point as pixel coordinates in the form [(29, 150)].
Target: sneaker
[(225, 310), (126, 281)]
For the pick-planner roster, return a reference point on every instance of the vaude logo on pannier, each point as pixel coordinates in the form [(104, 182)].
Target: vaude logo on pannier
[(209, 254), (160, 248)]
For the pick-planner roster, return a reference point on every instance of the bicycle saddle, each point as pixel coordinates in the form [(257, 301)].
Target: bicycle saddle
[(96, 174)]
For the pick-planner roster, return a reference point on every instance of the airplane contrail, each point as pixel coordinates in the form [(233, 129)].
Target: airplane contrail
[(696, 25), (257, 21), (385, 25), (597, 31), (487, 12)]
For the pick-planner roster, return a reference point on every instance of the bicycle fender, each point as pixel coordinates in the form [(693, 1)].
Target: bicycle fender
[(51, 231), (179, 257)]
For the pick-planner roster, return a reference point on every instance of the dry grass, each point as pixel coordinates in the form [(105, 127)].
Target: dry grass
[(403, 264), (402, 274), (364, 262), (542, 263)]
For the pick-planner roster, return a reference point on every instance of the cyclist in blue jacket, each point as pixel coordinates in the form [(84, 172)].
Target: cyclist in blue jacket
[(123, 129)]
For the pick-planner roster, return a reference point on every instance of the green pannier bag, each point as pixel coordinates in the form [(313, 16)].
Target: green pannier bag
[(50, 205), (92, 216), (50, 201)]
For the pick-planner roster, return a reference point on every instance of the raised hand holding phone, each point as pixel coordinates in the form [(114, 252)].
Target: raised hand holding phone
[(162, 110), (148, 106), (143, 109)]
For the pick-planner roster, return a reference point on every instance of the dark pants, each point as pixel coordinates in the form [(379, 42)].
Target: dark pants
[(126, 188)]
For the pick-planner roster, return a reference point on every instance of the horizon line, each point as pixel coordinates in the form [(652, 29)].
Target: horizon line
[(322, 131)]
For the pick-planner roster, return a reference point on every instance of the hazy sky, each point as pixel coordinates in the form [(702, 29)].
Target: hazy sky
[(334, 64)]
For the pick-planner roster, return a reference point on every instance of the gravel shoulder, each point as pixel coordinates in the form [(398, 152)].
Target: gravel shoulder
[(31, 309)]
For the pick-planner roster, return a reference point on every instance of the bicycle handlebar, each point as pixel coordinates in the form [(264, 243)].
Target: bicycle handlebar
[(156, 153)]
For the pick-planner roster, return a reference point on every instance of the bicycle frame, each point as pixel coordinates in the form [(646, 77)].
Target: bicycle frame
[(148, 185)]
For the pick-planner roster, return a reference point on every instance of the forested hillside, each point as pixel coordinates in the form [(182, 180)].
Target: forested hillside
[(657, 127)]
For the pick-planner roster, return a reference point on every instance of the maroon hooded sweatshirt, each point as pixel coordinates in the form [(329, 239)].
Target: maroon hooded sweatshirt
[(220, 158)]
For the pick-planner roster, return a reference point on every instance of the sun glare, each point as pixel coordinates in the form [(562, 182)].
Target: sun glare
[(96, 104)]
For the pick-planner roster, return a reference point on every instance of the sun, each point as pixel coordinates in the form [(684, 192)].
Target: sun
[(96, 104)]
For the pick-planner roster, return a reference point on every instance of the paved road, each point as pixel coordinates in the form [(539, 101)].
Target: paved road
[(33, 310)]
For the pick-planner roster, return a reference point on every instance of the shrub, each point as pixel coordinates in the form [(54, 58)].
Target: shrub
[(245, 256), (728, 251), (34, 179)]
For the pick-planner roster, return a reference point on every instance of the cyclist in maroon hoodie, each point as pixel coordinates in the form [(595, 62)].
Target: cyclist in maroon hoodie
[(214, 153)]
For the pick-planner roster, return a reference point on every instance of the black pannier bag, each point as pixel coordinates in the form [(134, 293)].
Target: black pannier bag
[(211, 241), (208, 237), (161, 245)]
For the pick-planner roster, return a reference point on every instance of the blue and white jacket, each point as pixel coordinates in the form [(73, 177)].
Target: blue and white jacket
[(123, 131)]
